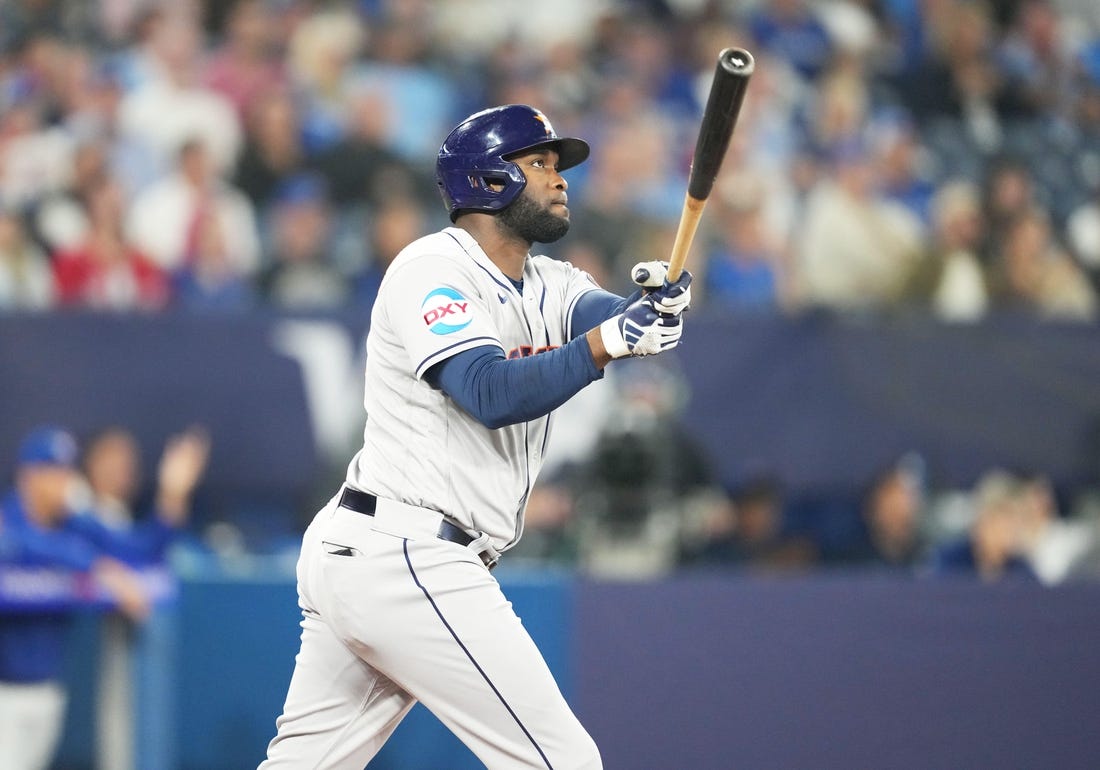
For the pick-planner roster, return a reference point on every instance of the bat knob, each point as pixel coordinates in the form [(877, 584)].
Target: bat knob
[(737, 61)]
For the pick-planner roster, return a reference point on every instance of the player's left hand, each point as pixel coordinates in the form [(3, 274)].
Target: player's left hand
[(668, 298), (641, 331)]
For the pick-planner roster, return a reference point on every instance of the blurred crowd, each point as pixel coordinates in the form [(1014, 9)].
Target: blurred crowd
[(1009, 525), (939, 155), (630, 493)]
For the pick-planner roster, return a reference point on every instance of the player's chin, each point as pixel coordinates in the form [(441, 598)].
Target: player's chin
[(547, 227), (554, 232)]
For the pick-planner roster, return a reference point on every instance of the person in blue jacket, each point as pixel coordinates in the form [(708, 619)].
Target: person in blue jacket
[(39, 530)]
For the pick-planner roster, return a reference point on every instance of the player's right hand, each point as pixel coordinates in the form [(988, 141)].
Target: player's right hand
[(641, 330), (671, 298)]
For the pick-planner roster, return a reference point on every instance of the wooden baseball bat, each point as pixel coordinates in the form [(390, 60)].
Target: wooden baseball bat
[(727, 92)]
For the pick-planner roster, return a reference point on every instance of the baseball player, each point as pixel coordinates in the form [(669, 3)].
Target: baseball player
[(473, 344)]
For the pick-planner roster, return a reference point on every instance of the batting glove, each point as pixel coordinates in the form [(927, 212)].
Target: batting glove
[(649, 275), (670, 298), (641, 330)]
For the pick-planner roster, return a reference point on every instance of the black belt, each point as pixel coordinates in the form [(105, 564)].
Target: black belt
[(366, 504)]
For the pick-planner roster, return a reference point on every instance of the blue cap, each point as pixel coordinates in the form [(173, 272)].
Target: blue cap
[(48, 446)]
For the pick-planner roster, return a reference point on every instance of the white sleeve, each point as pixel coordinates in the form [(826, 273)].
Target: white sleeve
[(577, 284), (436, 310), (567, 284)]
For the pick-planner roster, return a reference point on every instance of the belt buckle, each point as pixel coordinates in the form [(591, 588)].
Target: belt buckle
[(483, 547)]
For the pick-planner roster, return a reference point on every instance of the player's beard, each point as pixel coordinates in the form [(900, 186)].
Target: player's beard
[(532, 222)]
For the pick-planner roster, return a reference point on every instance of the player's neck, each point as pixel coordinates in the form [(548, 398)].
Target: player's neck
[(506, 251)]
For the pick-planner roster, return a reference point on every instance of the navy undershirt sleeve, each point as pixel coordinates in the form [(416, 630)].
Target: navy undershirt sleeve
[(595, 307), (499, 391)]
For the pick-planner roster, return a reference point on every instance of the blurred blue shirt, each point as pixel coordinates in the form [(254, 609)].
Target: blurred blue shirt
[(32, 640)]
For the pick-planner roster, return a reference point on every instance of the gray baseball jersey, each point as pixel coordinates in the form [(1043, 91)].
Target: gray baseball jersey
[(442, 295)]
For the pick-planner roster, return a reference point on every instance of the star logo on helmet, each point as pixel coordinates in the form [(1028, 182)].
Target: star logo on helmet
[(545, 122)]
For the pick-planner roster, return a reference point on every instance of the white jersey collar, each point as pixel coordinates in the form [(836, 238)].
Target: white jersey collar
[(470, 245)]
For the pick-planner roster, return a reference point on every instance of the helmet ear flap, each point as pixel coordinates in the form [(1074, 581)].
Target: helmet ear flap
[(489, 181), (468, 187)]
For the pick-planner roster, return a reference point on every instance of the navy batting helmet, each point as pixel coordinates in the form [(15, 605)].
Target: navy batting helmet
[(474, 156)]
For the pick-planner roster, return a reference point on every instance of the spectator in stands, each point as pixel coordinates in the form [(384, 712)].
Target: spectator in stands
[(359, 167), (1034, 274), (167, 219), (747, 530), (854, 249), (60, 220), (112, 466), (246, 64), (837, 113), (299, 274), (399, 69), (87, 95), (210, 279), (655, 180), (950, 279), (321, 51), (44, 60), (26, 278), (901, 163), (149, 47), (1083, 235), (35, 156), (1031, 60), (397, 222), (273, 150), (640, 50), (995, 545), (891, 512), (40, 531), (789, 29), (170, 107), (106, 272), (1055, 547), (746, 267), (611, 222), (957, 85), (1008, 192)]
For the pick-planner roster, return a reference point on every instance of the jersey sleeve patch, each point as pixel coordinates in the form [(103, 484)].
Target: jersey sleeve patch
[(446, 311)]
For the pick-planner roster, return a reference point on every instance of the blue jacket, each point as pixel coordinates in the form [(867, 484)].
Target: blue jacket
[(32, 640)]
